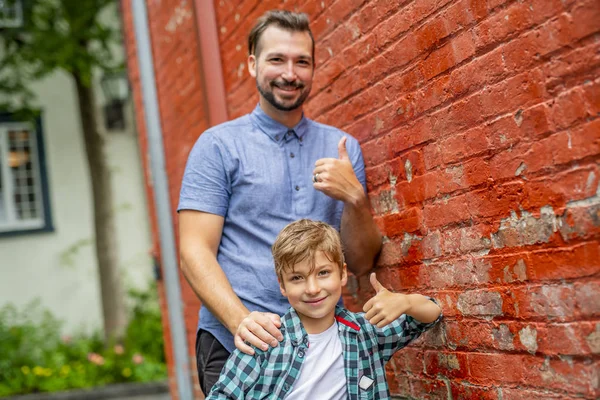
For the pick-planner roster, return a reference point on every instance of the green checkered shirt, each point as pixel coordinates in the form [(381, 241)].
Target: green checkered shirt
[(271, 374)]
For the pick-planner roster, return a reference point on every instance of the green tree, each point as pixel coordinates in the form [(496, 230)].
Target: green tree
[(69, 36)]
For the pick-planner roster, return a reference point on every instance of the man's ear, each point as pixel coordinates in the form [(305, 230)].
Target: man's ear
[(344, 275), (252, 65)]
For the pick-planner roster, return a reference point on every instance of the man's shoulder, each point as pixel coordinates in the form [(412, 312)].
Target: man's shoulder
[(329, 130), (228, 128)]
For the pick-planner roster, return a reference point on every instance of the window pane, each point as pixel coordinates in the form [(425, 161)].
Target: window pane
[(21, 162)]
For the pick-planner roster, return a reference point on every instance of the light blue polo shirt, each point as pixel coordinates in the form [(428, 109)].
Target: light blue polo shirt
[(257, 174)]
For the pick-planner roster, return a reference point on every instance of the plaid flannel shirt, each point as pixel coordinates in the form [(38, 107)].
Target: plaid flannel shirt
[(271, 374)]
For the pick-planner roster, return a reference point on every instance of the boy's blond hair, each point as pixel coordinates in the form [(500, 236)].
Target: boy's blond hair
[(300, 241)]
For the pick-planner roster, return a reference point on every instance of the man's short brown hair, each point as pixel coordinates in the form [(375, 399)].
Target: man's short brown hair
[(287, 20), (301, 240)]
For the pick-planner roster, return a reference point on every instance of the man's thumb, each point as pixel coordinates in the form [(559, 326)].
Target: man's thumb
[(375, 283), (342, 152)]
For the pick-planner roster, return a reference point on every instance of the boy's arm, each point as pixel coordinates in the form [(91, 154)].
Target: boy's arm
[(387, 306), (239, 375), (399, 319)]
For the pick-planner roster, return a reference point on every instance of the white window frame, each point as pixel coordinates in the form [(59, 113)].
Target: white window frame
[(16, 9), (12, 223)]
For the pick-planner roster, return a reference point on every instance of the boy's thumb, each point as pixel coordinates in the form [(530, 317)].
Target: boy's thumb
[(375, 283)]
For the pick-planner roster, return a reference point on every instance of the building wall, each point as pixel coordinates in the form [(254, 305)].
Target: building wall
[(60, 267), (479, 125)]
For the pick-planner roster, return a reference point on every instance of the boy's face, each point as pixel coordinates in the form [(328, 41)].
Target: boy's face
[(314, 294)]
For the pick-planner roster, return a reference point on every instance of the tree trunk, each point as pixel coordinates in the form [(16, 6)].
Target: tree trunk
[(113, 297)]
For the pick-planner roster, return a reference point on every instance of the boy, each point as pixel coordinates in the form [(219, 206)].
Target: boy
[(327, 352)]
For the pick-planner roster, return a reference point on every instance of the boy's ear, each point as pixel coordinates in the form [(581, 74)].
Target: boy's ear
[(281, 288), (344, 274)]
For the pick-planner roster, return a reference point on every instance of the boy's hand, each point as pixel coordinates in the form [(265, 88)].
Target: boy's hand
[(385, 306), (259, 329)]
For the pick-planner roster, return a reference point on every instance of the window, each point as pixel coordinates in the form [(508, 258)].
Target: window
[(24, 200), (11, 13)]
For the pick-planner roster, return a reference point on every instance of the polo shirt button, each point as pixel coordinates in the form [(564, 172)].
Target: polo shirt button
[(297, 188), (301, 353), (286, 387), (300, 139), (292, 155), (276, 137)]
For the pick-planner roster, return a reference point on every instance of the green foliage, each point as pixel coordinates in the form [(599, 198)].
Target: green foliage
[(65, 35), (34, 357)]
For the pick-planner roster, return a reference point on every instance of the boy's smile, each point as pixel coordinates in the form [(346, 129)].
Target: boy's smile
[(314, 292)]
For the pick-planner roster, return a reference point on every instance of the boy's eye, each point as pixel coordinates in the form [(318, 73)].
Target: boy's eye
[(324, 272), (295, 278)]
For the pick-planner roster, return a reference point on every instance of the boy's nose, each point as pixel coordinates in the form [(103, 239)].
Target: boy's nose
[(312, 287)]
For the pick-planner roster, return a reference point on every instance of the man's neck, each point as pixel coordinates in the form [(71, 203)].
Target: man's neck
[(287, 118)]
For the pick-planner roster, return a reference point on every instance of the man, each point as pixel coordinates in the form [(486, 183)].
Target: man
[(247, 179)]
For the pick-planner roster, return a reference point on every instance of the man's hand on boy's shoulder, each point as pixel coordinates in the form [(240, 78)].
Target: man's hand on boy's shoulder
[(385, 306), (258, 329)]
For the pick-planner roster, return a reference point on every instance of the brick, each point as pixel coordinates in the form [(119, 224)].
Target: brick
[(465, 272), (441, 214), (586, 296), (465, 391), (571, 185), (453, 365), (480, 303), (409, 221), (552, 302), (464, 145), (453, 53)]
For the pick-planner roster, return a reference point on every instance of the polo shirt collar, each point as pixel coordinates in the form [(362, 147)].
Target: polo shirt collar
[(275, 130)]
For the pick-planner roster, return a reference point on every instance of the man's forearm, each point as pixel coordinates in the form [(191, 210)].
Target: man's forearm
[(212, 287), (360, 236)]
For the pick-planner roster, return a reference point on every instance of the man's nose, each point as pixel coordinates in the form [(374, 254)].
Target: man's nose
[(289, 72)]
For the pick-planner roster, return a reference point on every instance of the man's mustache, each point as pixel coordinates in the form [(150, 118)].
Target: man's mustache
[(288, 85)]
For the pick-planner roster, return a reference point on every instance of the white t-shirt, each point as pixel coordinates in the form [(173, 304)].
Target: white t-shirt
[(322, 375)]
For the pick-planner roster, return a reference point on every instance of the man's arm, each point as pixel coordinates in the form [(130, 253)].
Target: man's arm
[(200, 235), (361, 238)]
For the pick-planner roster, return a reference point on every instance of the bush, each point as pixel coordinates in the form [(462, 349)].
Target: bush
[(34, 357)]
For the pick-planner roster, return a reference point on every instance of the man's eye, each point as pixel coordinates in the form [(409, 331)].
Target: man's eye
[(276, 59)]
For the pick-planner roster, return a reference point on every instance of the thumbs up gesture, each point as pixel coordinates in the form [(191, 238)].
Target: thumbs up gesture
[(385, 306), (336, 178)]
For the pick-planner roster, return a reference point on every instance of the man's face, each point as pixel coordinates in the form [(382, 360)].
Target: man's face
[(283, 68), (314, 292)]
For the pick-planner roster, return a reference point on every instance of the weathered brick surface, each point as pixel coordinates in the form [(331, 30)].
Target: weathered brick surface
[(478, 120)]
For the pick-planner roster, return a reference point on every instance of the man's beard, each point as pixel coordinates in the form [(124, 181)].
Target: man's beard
[(270, 96)]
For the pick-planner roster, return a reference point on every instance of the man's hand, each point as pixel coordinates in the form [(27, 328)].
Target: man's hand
[(385, 306), (259, 329), (336, 177)]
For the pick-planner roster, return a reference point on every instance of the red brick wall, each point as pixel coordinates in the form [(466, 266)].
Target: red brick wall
[(479, 126)]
